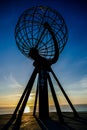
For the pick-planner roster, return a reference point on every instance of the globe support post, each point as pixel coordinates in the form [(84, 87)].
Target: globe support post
[(59, 113), (67, 98), (35, 103), (43, 95)]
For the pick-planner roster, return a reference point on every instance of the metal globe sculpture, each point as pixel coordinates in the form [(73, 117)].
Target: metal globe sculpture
[(41, 34), (34, 30)]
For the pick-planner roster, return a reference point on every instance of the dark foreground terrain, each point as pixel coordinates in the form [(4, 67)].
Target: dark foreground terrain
[(33, 123)]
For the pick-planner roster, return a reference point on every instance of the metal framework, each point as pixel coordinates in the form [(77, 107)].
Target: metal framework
[(31, 32), (41, 35)]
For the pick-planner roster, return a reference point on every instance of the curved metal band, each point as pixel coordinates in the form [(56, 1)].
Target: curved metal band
[(52, 61)]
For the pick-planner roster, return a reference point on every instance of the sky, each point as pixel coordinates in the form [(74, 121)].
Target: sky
[(71, 67)]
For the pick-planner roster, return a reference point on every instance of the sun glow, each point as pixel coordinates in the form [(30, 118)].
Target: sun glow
[(27, 109)]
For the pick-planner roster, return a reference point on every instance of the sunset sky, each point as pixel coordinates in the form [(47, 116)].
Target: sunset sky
[(71, 68)]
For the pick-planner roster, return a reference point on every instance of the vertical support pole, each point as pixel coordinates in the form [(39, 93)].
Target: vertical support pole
[(59, 113), (35, 104), (67, 98), (43, 95)]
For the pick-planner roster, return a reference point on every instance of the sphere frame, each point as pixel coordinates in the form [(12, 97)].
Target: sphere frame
[(30, 32)]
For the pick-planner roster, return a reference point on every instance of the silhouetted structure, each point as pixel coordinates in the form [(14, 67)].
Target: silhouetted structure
[(41, 35)]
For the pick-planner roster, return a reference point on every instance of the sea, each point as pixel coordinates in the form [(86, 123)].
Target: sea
[(64, 108)]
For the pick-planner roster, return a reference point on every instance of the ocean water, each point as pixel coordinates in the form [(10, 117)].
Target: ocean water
[(64, 108), (67, 108)]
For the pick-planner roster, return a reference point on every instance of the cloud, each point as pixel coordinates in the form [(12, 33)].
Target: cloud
[(10, 96), (78, 88), (82, 83), (11, 81)]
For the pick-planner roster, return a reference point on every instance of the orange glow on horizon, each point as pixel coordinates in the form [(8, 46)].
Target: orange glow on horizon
[(12, 100)]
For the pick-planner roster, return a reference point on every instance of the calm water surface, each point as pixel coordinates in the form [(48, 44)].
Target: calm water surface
[(64, 108)]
